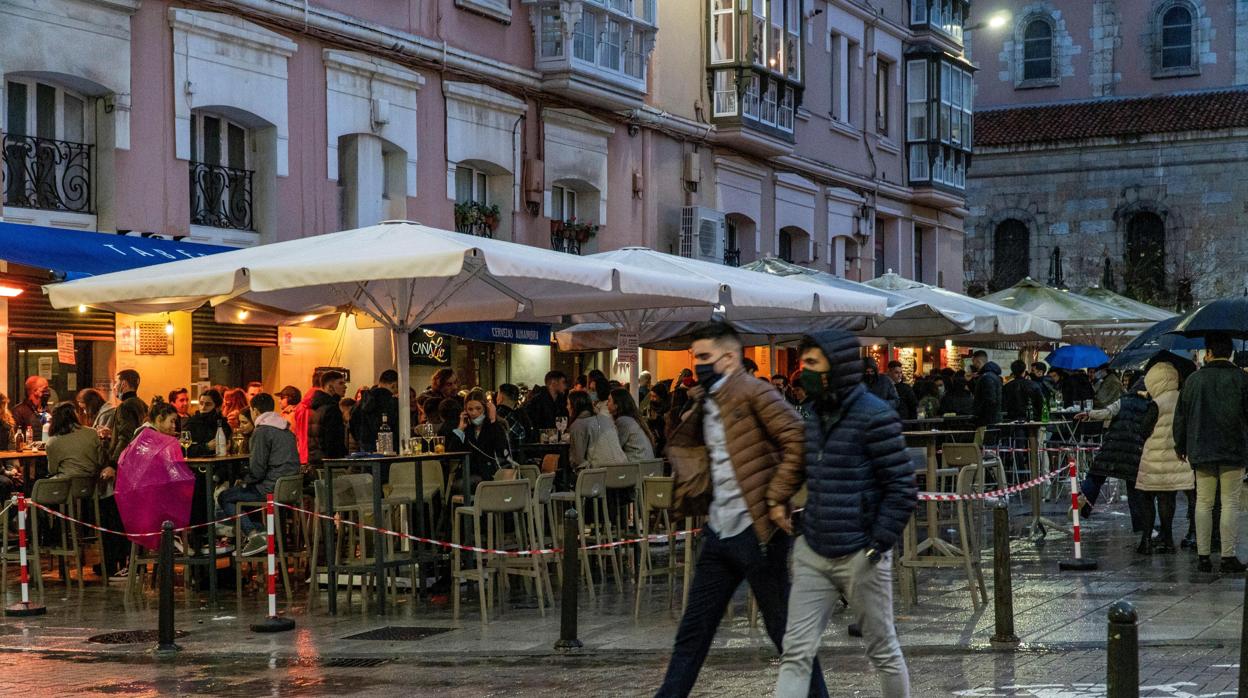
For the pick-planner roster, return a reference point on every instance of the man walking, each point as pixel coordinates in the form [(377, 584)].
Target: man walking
[(1211, 433), (861, 493), (723, 454)]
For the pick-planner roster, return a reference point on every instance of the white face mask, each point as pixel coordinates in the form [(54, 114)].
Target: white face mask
[(478, 420)]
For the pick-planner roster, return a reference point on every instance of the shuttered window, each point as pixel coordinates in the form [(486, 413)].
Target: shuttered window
[(31, 315), (206, 331)]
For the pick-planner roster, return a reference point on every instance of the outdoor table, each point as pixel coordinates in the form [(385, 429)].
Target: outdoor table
[(379, 564), (29, 460), (939, 552), (207, 468), (1034, 430), (936, 422)]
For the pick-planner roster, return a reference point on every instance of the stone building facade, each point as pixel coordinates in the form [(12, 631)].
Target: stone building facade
[(1112, 148)]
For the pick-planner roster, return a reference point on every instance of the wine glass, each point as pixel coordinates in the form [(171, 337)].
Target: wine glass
[(185, 441), (561, 424)]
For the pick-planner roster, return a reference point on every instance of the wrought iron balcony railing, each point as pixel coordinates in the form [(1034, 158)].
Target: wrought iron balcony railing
[(560, 241), (732, 258), (47, 174), (221, 196)]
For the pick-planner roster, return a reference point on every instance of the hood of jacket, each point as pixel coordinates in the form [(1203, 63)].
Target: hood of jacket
[(991, 367), (1162, 378), (844, 357), (320, 398), (272, 419)]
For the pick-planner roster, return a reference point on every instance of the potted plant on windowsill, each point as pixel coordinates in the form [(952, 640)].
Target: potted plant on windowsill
[(474, 217), (579, 231)]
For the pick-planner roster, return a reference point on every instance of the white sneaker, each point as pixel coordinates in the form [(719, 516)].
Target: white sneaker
[(225, 531), (178, 548)]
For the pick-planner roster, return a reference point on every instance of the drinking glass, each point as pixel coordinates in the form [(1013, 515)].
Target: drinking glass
[(185, 441), (439, 444)]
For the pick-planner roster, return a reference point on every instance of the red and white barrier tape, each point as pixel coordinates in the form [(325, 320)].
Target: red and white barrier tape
[(995, 494), (124, 534)]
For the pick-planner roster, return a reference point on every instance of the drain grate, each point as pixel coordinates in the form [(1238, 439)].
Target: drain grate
[(127, 637), (352, 662), (398, 633)]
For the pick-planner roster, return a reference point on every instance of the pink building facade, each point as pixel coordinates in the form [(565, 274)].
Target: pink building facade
[(730, 129)]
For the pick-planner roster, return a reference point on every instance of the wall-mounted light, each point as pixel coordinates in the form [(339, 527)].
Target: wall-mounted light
[(9, 292), (82, 309), (242, 314), (308, 318), (168, 326)]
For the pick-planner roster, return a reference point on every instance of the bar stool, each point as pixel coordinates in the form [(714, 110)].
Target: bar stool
[(655, 519), (52, 493), (286, 490), (622, 485), (492, 502), (590, 488), (83, 489)]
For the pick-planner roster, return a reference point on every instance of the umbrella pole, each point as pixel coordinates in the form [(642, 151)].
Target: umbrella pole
[(771, 355), (401, 339)]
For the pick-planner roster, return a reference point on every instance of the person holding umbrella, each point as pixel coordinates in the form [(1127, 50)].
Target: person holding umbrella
[(1211, 434)]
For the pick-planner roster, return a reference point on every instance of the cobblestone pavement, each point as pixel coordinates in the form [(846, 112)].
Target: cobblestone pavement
[(1176, 672)]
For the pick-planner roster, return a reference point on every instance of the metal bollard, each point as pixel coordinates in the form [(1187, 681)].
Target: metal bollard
[(164, 573), (1002, 584), (571, 582), (1243, 645), (1122, 658)]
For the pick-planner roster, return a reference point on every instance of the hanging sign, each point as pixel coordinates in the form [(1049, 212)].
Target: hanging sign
[(627, 353), (65, 348), (429, 348)]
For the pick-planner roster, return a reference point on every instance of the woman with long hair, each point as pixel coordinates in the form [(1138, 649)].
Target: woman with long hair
[(90, 404), (635, 436), (481, 434), (203, 426), (74, 450), (585, 430), (234, 405)]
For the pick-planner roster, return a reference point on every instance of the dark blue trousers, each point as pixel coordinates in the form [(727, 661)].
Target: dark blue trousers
[(721, 567)]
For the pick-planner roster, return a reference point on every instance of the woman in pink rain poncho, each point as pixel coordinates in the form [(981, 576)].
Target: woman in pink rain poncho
[(154, 484)]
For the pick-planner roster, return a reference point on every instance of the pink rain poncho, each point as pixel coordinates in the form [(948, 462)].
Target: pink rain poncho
[(154, 485)]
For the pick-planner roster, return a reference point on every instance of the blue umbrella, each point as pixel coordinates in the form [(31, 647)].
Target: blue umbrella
[(1077, 356)]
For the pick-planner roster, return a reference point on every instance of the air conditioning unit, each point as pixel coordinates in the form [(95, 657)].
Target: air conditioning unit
[(702, 234)]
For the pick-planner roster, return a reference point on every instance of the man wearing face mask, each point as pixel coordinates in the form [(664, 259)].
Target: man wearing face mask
[(723, 454), (32, 410), (861, 493)]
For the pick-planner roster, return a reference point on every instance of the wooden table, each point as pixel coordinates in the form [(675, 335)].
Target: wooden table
[(207, 468), (559, 448), (379, 564), (939, 552), (1034, 429)]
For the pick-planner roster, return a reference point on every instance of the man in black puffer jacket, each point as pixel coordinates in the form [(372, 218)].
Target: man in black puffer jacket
[(988, 386), (861, 494), (1131, 422)]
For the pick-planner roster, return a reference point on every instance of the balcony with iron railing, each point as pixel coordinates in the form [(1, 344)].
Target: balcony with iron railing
[(221, 197), (732, 258), (47, 174)]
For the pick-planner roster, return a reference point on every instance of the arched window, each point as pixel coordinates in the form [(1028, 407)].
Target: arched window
[(1011, 253), (1144, 271), (1177, 38), (1038, 50), (785, 250)]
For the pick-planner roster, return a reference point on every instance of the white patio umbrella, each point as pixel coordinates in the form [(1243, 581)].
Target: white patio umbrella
[(993, 323), (755, 303), (401, 275)]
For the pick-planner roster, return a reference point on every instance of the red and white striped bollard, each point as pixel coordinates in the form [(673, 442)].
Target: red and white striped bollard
[(273, 623), (1078, 563), (24, 607)]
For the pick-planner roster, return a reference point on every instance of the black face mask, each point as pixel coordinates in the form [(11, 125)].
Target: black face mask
[(706, 373)]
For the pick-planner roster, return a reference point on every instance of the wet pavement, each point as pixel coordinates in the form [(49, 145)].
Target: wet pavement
[(1190, 626)]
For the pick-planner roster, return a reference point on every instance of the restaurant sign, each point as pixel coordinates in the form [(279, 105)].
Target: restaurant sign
[(428, 348), (504, 332)]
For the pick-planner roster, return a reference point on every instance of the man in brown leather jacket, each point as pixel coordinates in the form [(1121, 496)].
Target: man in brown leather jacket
[(723, 453)]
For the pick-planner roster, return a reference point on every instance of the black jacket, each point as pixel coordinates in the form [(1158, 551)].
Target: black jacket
[(962, 403), (486, 446), (908, 405), (542, 409), (882, 387), (988, 395), (1211, 420), (203, 428), (1022, 399), (519, 429), (327, 434), (860, 481), (1123, 443), (366, 417)]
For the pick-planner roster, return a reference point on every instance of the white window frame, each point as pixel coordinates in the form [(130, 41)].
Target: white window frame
[(918, 11), (479, 189), (793, 40), (723, 12), (1192, 67), (916, 100), (724, 94), (836, 83), (197, 140), (58, 108), (562, 201), (759, 29), (883, 95), (751, 103)]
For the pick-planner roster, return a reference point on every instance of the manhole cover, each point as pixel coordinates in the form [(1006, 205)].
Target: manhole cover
[(398, 633), (348, 662), (127, 637)]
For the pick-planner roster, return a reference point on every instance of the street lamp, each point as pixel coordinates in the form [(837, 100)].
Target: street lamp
[(996, 21)]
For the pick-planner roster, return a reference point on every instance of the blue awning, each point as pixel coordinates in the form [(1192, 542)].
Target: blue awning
[(502, 332), (78, 253)]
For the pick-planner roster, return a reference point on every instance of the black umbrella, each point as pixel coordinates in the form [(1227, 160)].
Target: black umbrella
[(1156, 338), (1227, 316), (1185, 366)]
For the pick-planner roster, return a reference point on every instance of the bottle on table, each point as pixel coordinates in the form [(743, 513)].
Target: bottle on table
[(30, 437), (222, 447), (385, 437)]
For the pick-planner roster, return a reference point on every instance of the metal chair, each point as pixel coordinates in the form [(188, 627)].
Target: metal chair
[(590, 489), (83, 489), (655, 519), (52, 493)]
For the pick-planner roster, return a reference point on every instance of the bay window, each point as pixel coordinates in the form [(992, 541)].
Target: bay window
[(608, 45), (723, 31), (939, 100), (944, 16), (755, 64)]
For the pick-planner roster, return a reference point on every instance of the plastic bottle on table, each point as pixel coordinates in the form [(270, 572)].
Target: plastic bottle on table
[(222, 447)]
